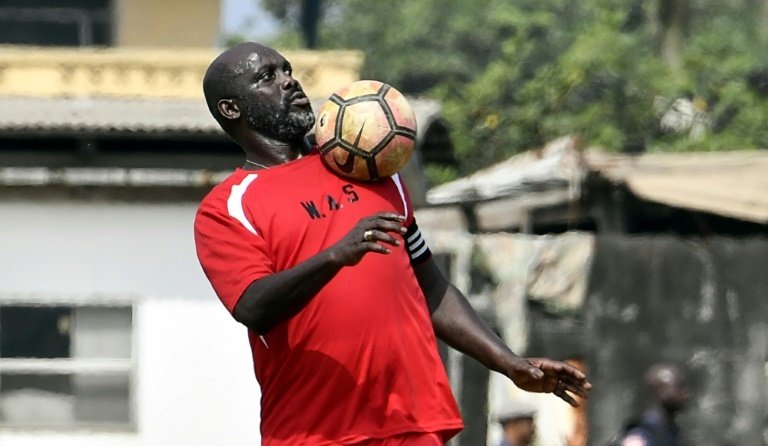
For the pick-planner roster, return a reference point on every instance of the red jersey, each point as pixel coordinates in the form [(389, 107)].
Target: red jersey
[(360, 360)]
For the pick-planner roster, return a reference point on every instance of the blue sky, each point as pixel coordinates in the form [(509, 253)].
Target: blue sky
[(246, 17)]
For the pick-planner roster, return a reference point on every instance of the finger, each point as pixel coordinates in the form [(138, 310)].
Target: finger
[(567, 392), (576, 390), (568, 376), (379, 236), (563, 395), (375, 247), (576, 382), (390, 216), (562, 369), (389, 226), (575, 377)]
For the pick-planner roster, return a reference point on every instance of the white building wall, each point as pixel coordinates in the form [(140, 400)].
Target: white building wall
[(193, 378)]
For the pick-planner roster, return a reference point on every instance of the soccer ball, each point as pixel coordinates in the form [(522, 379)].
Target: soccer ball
[(366, 131)]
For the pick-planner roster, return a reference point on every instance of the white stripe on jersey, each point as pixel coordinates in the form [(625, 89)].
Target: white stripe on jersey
[(235, 202), (396, 179)]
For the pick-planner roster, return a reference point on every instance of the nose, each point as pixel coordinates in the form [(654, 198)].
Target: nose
[(289, 83)]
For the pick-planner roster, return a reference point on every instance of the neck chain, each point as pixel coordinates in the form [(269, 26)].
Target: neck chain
[(256, 164)]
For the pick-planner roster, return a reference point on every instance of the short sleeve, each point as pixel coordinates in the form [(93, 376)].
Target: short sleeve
[(231, 255)]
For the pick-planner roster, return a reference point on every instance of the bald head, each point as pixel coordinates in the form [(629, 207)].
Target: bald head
[(220, 80)]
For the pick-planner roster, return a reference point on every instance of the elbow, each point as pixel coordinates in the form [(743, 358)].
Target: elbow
[(434, 294), (253, 319)]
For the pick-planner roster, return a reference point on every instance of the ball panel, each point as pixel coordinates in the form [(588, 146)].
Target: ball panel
[(360, 88), (366, 131), (401, 110), (347, 163), (326, 122), (364, 125), (395, 156)]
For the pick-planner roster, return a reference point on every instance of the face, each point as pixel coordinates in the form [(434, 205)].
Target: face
[(270, 99), (673, 391), (668, 384)]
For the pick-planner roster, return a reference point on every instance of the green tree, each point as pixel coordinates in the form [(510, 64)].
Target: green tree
[(514, 75), (305, 15)]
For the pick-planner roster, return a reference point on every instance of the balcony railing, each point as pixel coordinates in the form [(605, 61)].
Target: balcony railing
[(149, 73)]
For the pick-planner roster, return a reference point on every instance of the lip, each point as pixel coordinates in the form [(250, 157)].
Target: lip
[(299, 98)]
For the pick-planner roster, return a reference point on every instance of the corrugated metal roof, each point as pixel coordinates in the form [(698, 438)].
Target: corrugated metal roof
[(731, 184), (121, 115), (104, 115), (109, 176), (556, 166)]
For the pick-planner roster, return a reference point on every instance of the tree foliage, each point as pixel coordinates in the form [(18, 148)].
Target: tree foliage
[(514, 75), (303, 15)]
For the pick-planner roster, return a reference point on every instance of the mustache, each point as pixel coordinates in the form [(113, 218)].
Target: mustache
[(290, 96)]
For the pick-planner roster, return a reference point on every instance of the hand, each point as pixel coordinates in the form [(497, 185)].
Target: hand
[(370, 234), (542, 375)]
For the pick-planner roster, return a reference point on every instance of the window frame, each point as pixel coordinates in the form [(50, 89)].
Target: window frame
[(84, 20), (72, 366)]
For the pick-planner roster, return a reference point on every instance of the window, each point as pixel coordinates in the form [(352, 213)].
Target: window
[(66, 366), (56, 22)]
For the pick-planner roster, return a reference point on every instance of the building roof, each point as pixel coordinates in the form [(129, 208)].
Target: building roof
[(146, 116), (730, 184), (99, 115), (552, 167), (104, 115)]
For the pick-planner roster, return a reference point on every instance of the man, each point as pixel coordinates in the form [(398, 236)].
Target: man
[(334, 281), (657, 425), (517, 424)]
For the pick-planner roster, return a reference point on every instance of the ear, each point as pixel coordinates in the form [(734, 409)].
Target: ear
[(228, 108)]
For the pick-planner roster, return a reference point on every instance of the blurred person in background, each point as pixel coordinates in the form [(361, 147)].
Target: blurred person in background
[(517, 424), (656, 426)]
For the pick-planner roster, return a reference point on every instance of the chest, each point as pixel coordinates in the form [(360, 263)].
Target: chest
[(299, 220)]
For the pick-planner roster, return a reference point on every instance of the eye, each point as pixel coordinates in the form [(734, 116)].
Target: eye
[(267, 76)]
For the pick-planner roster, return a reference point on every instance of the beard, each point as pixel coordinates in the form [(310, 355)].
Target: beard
[(279, 120)]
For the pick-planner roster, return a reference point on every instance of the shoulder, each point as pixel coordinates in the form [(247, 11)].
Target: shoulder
[(218, 199), (222, 188)]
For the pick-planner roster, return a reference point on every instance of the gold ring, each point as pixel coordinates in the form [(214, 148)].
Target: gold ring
[(368, 235)]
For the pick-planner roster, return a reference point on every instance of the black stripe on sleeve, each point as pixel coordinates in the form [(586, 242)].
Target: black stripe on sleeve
[(416, 246)]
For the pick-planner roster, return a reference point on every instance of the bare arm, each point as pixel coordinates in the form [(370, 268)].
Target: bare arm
[(274, 298), (456, 323)]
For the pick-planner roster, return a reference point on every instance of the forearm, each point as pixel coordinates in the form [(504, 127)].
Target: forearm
[(272, 299), (457, 324)]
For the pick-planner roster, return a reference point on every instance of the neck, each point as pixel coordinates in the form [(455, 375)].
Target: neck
[(262, 154), (254, 165)]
